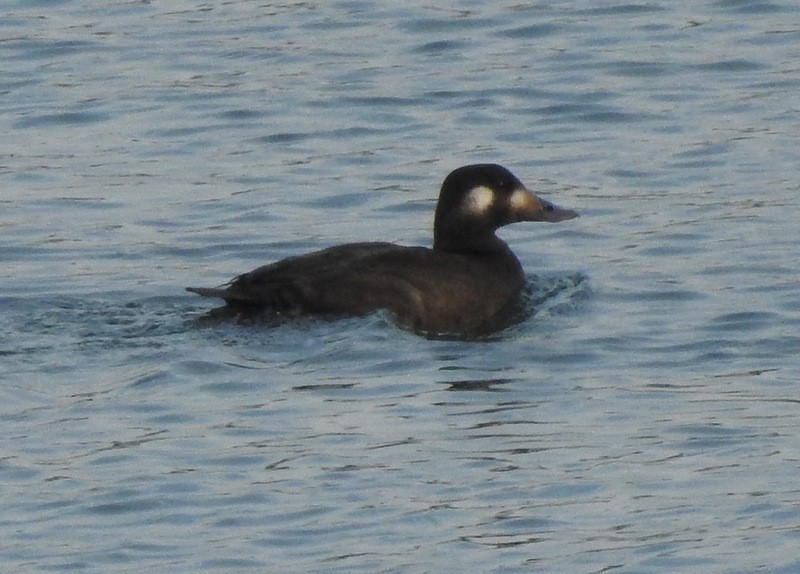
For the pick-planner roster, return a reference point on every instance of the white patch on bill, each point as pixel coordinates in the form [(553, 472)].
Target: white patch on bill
[(520, 200), (479, 200)]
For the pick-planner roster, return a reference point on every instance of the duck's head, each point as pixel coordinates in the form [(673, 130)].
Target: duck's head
[(476, 200)]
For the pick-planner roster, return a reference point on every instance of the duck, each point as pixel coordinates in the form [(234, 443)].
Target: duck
[(467, 284)]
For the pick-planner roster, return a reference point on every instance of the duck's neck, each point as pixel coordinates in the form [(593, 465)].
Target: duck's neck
[(460, 239)]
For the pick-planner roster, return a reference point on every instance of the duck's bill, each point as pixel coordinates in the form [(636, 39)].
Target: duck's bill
[(529, 207), (551, 212)]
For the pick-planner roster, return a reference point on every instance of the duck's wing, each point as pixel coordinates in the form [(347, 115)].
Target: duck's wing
[(291, 285)]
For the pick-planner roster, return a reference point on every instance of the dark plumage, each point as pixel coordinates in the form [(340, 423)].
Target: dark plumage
[(466, 285)]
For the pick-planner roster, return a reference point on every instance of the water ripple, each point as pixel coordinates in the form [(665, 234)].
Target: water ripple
[(642, 414)]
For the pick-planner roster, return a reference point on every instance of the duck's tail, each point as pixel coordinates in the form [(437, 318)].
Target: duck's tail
[(232, 296), (214, 292)]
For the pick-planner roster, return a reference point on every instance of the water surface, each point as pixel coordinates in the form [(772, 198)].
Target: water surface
[(643, 419)]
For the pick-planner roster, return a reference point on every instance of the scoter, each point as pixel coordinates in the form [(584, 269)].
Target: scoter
[(468, 284)]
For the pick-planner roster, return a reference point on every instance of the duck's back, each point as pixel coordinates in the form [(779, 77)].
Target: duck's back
[(425, 289)]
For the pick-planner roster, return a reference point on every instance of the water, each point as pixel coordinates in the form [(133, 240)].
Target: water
[(644, 419)]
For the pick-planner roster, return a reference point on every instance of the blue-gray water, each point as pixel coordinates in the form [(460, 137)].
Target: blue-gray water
[(644, 420)]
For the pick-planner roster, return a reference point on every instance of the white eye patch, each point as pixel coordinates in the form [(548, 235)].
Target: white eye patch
[(479, 200)]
